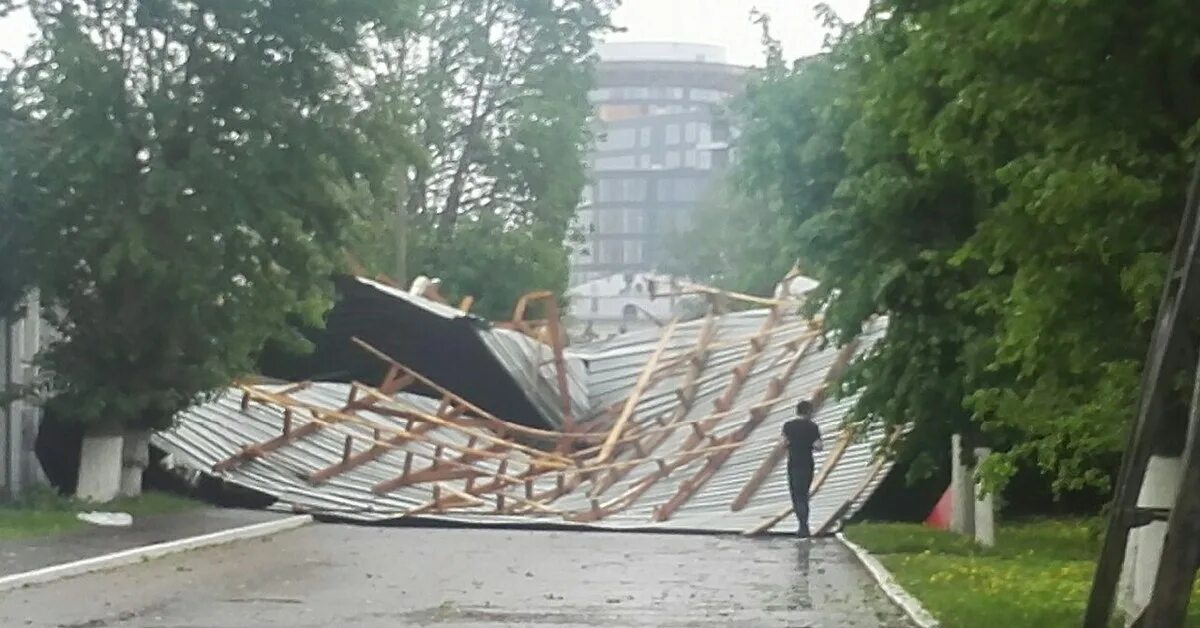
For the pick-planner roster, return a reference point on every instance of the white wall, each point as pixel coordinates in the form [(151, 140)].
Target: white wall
[(601, 303), (20, 340)]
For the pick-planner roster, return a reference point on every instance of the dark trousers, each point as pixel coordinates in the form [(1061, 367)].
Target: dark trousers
[(800, 475)]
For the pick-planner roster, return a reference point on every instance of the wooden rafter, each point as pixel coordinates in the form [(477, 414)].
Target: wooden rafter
[(701, 429), (366, 397), (873, 472), (290, 434), (541, 457), (780, 450), (831, 463), (500, 481), (498, 425), (639, 488), (695, 288), (387, 486), (461, 498), (741, 372), (477, 477), (688, 488), (635, 395), (646, 447), (378, 448), (553, 326), (701, 432), (462, 469)]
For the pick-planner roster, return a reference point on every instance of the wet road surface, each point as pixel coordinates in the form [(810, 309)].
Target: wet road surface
[(330, 575)]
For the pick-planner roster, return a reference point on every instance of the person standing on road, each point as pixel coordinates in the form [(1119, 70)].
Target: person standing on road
[(803, 438)]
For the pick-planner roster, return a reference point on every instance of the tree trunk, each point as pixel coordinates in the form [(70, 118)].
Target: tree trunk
[(135, 457), (99, 467)]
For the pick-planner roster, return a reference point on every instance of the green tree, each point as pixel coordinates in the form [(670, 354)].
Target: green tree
[(498, 93), (12, 246), (177, 182), (1002, 180)]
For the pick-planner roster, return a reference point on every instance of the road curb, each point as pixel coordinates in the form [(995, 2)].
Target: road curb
[(909, 604), (147, 552)]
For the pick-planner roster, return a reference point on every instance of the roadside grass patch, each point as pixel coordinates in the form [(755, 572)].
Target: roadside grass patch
[(44, 512), (1039, 573)]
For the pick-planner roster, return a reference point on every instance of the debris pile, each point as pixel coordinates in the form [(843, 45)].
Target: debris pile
[(676, 428)]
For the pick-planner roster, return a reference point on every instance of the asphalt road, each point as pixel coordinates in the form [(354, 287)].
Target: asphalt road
[(344, 576)]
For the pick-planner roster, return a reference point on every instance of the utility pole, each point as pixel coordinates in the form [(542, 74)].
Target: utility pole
[(1156, 504)]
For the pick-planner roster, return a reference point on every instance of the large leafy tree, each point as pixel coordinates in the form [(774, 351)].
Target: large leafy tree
[(173, 168), (12, 249), (1002, 180), (498, 107)]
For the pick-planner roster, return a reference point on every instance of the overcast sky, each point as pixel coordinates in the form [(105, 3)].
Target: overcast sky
[(727, 23), (721, 22), (14, 32)]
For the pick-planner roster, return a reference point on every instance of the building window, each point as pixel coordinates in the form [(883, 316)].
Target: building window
[(633, 221), (684, 190), (627, 162), (634, 190), (629, 312), (689, 158), (617, 190), (690, 132), (613, 113), (633, 252), (612, 221), (673, 159), (595, 305), (619, 139), (672, 134), (720, 132), (608, 190), (705, 160), (611, 252), (644, 137)]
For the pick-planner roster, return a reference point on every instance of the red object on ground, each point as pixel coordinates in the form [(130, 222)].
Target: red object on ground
[(940, 516)]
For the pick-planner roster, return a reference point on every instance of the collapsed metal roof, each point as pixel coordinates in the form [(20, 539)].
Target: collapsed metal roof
[(684, 431), (501, 370)]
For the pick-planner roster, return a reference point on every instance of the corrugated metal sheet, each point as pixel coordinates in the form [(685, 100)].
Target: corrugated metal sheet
[(602, 378), (528, 361)]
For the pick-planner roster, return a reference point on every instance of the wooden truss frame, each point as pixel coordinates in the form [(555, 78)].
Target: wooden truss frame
[(471, 461)]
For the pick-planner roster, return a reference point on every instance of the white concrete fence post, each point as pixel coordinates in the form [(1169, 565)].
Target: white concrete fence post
[(99, 468), (1142, 554), (985, 505), (962, 490)]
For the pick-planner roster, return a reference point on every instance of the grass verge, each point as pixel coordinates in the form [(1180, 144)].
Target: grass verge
[(1039, 573), (44, 512)]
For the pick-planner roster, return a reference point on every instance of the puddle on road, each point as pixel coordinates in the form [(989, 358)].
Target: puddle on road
[(453, 613)]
